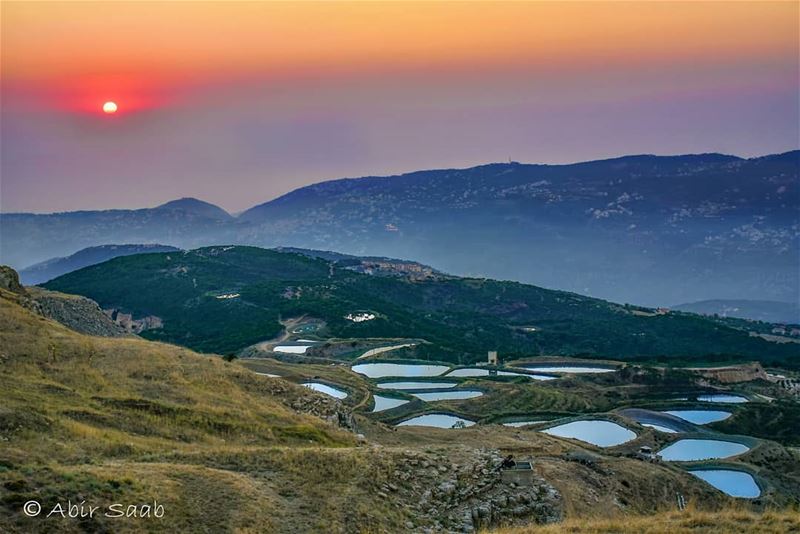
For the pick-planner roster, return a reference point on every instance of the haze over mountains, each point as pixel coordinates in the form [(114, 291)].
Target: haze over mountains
[(649, 230), (49, 269)]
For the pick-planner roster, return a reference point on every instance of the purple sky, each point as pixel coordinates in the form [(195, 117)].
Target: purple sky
[(244, 139)]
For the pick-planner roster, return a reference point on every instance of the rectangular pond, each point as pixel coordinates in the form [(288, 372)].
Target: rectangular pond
[(417, 385), (447, 395), (569, 369), (474, 372), (380, 370)]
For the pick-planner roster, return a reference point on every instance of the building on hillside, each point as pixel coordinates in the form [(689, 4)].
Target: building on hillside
[(492, 360)]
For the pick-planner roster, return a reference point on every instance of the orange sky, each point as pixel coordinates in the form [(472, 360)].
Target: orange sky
[(169, 39), (272, 96)]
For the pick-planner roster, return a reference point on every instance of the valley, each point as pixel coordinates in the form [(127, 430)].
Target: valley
[(606, 436)]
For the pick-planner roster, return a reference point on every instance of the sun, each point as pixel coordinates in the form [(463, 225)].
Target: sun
[(110, 107)]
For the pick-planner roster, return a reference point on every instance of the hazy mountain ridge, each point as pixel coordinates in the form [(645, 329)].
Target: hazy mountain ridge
[(757, 310), (49, 269), (642, 229), (653, 230), (30, 238)]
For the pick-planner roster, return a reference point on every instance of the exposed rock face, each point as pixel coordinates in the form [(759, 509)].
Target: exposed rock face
[(9, 280), (734, 374), (464, 492), (304, 400), (133, 326), (78, 313), (326, 407)]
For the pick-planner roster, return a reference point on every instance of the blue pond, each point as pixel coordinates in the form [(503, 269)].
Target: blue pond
[(689, 450), (570, 369), (734, 483), (448, 395), (473, 371), (417, 385), (386, 403), (379, 370), (328, 390), (600, 433)]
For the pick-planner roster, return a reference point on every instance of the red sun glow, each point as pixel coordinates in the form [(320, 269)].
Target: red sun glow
[(110, 107)]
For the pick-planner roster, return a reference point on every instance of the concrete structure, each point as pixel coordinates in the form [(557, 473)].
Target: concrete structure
[(492, 357), (646, 453), (521, 474)]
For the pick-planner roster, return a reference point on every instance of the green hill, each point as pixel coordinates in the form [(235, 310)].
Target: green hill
[(462, 318)]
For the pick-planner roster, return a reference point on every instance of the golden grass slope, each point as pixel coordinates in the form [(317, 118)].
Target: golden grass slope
[(687, 522), (103, 420)]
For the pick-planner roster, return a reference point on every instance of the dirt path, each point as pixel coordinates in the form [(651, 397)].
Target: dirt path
[(381, 350)]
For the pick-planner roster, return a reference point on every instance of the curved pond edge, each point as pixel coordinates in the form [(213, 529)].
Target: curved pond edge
[(594, 417), (738, 468)]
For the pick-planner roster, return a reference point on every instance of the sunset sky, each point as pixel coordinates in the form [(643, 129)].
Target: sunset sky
[(237, 103)]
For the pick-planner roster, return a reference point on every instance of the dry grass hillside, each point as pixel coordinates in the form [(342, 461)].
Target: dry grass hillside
[(686, 522), (223, 449), (127, 420)]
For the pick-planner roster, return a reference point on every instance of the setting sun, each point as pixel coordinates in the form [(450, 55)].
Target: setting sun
[(110, 107)]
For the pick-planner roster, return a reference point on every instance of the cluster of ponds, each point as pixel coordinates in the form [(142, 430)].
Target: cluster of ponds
[(601, 433)]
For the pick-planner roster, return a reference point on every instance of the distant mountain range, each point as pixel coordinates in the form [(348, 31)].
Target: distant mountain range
[(47, 270), (651, 230), (248, 290), (757, 310)]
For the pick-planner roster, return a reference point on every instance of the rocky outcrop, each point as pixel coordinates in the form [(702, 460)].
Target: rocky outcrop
[(462, 490), (78, 313), (127, 323), (9, 280), (307, 401), (734, 374)]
